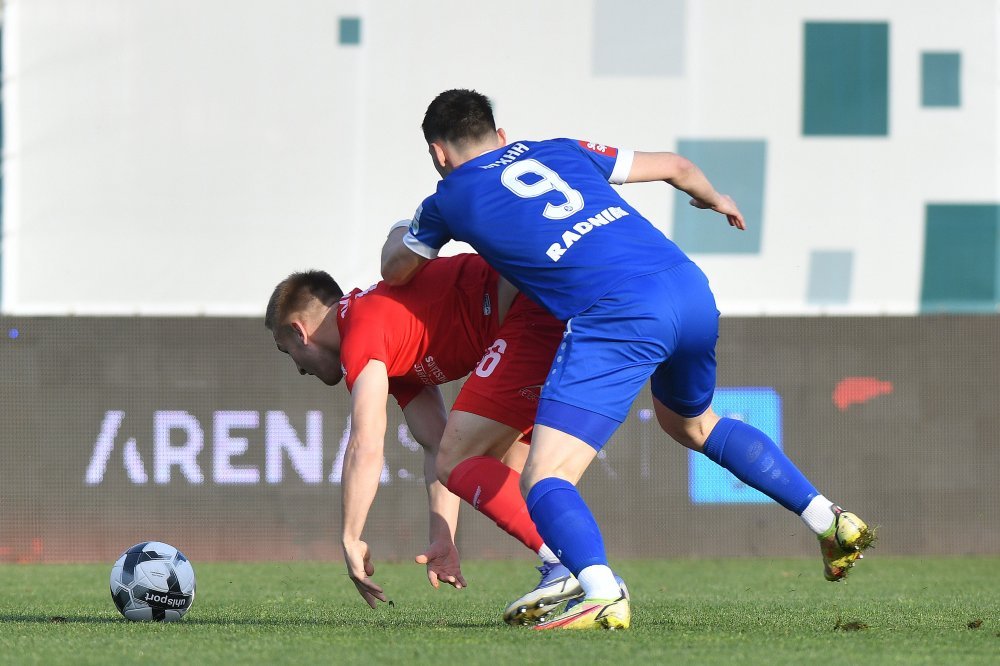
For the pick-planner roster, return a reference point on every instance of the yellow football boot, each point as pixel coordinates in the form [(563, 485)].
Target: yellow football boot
[(842, 545)]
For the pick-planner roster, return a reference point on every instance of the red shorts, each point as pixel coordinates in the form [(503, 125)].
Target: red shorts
[(506, 383)]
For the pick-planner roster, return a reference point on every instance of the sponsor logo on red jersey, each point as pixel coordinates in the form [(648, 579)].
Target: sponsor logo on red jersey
[(600, 148)]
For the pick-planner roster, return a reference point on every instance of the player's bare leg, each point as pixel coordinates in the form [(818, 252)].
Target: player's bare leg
[(467, 435), (469, 464), (555, 464), (842, 535), (690, 432), (516, 455)]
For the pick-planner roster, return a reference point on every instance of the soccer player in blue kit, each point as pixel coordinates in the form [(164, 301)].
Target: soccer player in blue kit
[(544, 214)]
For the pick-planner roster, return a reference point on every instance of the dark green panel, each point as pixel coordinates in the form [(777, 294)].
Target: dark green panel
[(350, 30), (961, 266), (846, 87), (940, 79)]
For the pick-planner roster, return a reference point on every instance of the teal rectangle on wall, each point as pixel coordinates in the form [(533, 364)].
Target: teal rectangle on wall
[(961, 258), (736, 168), (350, 30), (940, 75), (846, 79), (830, 277)]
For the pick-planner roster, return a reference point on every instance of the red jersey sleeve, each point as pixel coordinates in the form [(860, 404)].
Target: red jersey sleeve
[(362, 339)]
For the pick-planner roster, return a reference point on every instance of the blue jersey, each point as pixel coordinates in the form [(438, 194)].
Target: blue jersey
[(544, 214)]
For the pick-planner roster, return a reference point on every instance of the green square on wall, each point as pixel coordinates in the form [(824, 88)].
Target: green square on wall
[(940, 75), (961, 258), (846, 86), (350, 30)]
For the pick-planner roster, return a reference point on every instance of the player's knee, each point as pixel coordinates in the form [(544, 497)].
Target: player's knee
[(685, 438), (689, 432), (444, 463), (527, 481)]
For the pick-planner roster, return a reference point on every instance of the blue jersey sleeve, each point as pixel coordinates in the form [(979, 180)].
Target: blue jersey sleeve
[(428, 230), (613, 163)]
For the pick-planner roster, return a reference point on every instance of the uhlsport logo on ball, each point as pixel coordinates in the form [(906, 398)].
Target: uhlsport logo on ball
[(152, 581)]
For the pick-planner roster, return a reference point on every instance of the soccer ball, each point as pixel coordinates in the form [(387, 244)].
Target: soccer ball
[(152, 581)]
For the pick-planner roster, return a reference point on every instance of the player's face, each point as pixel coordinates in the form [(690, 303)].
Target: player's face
[(311, 359)]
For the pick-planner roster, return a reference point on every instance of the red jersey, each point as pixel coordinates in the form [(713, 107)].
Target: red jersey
[(432, 330)]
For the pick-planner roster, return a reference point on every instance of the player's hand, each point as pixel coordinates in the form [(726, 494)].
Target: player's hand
[(358, 558), (726, 206), (443, 564)]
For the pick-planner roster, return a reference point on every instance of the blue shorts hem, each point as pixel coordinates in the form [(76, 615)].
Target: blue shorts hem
[(593, 428), (688, 410)]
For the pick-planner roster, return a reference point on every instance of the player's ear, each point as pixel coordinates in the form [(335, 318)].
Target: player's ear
[(502, 135), (300, 332), (437, 154)]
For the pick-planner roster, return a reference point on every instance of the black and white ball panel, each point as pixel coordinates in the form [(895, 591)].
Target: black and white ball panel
[(152, 581)]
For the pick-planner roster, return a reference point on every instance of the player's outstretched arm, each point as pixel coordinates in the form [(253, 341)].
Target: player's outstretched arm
[(361, 471), (683, 174), (399, 263), (426, 417)]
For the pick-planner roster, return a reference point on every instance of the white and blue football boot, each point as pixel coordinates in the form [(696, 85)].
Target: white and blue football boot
[(557, 585)]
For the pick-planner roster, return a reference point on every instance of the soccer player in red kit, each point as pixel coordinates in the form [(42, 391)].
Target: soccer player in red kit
[(455, 318)]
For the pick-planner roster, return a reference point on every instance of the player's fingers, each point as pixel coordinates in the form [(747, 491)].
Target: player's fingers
[(365, 593), (432, 578), (372, 590), (461, 581), (421, 558)]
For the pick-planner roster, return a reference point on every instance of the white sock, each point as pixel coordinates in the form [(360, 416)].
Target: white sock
[(598, 582), (818, 516), (548, 557)]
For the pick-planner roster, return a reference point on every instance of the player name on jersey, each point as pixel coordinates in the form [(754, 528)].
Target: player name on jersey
[(578, 230), (513, 152)]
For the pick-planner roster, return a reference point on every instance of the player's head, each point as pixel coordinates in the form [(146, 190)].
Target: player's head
[(457, 125), (297, 318)]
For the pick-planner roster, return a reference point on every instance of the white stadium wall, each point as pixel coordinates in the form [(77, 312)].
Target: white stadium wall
[(181, 157)]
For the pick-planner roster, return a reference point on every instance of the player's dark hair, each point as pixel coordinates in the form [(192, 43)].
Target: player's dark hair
[(294, 292), (459, 116)]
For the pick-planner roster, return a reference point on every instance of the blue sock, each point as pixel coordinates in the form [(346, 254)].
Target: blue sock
[(566, 524), (758, 462)]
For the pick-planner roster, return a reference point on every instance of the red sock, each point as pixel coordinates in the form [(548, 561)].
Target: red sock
[(492, 489)]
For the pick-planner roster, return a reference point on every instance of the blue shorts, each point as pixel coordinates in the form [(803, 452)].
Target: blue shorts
[(662, 327)]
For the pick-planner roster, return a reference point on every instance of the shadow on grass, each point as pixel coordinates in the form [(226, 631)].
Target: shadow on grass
[(375, 622), (56, 619)]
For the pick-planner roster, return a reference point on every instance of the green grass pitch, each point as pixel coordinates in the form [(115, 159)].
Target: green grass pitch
[(890, 611)]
